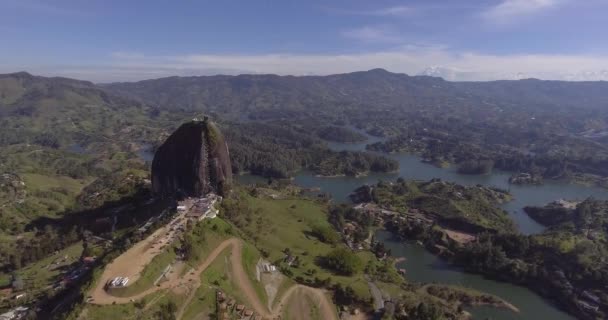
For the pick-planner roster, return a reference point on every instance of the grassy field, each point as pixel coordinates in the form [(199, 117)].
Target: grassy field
[(250, 258), (216, 276), (206, 236), (286, 224), (219, 276), (48, 183), (202, 305), (46, 195)]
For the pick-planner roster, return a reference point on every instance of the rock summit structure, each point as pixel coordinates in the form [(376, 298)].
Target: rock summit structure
[(192, 162)]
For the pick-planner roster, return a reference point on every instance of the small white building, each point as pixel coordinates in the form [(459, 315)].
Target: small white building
[(269, 268)]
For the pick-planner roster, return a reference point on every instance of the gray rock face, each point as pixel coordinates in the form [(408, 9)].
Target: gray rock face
[(192, 162)]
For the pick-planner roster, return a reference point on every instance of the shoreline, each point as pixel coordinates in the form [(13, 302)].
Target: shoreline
[(534, 289), (503, 304)]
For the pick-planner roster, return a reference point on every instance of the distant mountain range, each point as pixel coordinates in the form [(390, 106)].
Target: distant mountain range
[(375, 89), (451, 74)]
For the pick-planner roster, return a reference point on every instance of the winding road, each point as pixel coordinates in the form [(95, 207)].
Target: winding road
[(192, 280)]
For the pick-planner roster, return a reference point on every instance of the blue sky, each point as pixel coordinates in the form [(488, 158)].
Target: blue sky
[(464, 39)]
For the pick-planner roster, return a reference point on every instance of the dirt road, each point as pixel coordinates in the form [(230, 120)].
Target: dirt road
[(192, 280), (133, 261), (328, 311), (100, 296)]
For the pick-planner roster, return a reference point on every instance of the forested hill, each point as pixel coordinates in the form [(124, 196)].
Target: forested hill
[(22, 89), (377, 89), (553, 95), (55, 111)]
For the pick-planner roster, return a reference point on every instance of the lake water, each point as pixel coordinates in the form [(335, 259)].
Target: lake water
[(411, 168), (421, 265)]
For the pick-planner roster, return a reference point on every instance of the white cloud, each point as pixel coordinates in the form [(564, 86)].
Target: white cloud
[(395, 11), (392, 11), (374, 34), (508, 10), (411, 60)]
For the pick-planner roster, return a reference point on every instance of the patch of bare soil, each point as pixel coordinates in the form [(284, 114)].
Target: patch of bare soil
[(460, 237), (272, 283)]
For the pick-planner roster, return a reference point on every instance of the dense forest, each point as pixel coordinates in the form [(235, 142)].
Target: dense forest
[(278, 150), (341, 134)]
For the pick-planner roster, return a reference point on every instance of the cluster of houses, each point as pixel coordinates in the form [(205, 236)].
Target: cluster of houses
[(228, 309), (76, 271), (200, 208)]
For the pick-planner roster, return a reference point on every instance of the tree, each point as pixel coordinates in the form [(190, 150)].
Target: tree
[(345, 295), (188, 249), (343, 261), (325, 234), (426, 311)]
